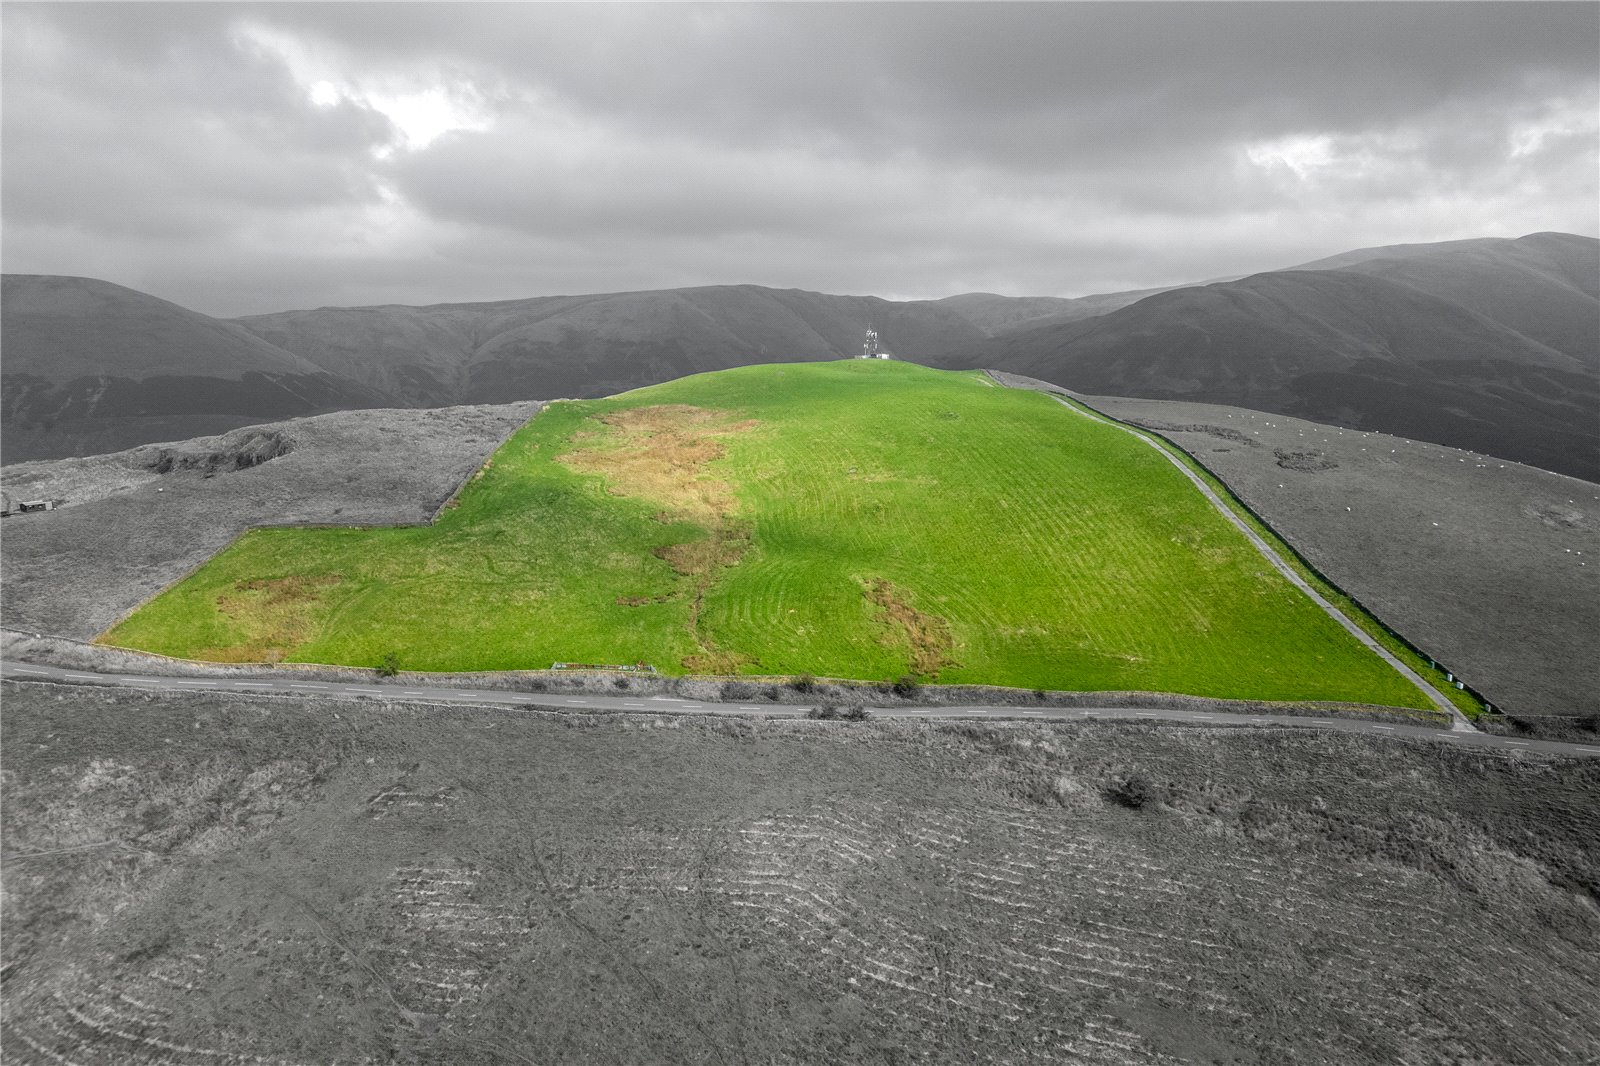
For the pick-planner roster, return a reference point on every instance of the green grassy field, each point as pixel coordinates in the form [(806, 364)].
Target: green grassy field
[(852, 519)]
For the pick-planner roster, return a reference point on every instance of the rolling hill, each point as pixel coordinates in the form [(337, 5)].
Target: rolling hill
[(596, 345), (585, 346), (769, 521), (1490, 345), (95, 367), (1543, 286)]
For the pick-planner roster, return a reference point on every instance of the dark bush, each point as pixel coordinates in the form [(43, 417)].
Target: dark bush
[(1131, 792), (905, 687), (538, 684), (622, 683), (737, 690), (389, 666), (803, 683), (829, 713)]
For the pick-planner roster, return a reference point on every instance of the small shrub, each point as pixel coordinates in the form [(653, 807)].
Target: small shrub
[(827, 712), (389, 666), (538, 684), (622, 683), (737, 690), (1131, 792), (803, 683), (905, 687), (770, 692), (1047, 790)]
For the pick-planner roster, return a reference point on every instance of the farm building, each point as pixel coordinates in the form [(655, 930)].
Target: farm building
[(10, 505)]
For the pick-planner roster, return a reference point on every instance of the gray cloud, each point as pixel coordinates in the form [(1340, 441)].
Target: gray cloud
[(242, 158)]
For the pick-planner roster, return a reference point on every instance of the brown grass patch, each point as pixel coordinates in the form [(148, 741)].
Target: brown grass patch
[(716, 661), (926, 635), (292, 589), (275, 615), (724, 547), (660, 454), (699, 561)]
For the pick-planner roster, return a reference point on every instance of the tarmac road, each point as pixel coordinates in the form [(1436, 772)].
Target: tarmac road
[(666, 705)]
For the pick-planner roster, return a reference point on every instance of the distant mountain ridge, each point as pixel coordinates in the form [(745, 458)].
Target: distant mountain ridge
[(1489, 344), (94, 367), (598, 344)]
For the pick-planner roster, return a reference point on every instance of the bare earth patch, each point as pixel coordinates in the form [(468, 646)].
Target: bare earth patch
[(926, 635)]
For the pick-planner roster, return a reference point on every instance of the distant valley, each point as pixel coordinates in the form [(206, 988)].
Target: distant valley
[(1491, 345)]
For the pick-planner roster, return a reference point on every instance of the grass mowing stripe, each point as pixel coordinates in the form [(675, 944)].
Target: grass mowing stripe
[(851, 519), (1349, 607), (1355, 618)]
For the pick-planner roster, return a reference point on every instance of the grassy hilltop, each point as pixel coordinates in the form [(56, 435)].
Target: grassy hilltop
[(851, 519)]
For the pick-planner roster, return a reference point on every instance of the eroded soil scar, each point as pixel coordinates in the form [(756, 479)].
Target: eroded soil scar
[(926, 637)]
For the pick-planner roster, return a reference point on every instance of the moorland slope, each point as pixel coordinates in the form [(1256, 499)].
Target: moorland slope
[(852, 519), (95, 367), (597, 345), (252, 880), (1490, 345)]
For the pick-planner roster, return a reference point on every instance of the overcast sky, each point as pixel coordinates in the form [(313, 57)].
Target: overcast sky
[(243, 158)]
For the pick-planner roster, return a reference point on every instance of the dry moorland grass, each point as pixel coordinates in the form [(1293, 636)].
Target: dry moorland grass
[(355, 881)]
